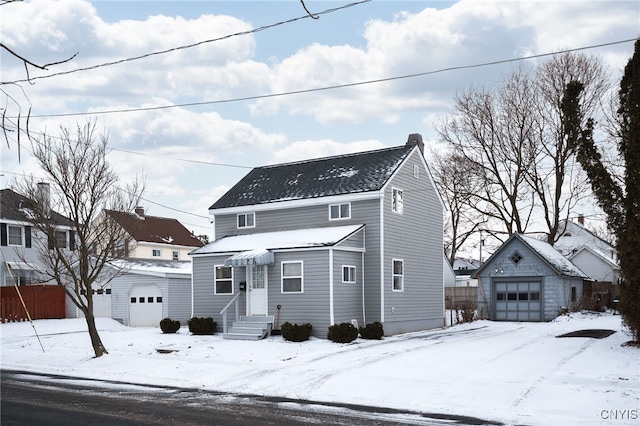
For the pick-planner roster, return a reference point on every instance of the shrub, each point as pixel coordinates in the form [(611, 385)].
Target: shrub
[(342, 333), (296, 332), (202, 326), (373, 331), (168, 325)]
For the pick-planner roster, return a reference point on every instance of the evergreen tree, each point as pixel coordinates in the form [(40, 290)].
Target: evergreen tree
[(621, 203)]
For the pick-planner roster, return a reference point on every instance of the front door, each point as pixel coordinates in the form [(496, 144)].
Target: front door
[(257, 290)]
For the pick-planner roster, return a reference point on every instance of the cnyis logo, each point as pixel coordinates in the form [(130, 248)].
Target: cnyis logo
[(619, 414)]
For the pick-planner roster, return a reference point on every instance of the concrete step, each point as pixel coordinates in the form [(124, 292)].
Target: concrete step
[(237, 336)]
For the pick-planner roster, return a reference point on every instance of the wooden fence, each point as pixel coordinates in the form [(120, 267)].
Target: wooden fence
[(458, 297), (42, 301)]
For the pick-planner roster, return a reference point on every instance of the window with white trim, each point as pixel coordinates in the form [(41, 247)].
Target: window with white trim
[(397, 201), (156, 253), (416, 171), (340, 211), (292, 277), (223, 280), (175, 255), (348, 274), (14, 235), (247, 220), (398, 274)]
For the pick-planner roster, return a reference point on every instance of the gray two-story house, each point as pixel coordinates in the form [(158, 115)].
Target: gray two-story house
[(330, 240)]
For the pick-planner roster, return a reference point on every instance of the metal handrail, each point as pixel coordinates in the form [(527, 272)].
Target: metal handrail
[(223, 312)]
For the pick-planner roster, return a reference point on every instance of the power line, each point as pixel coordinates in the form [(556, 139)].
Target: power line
[(338, 86), (188, 46)]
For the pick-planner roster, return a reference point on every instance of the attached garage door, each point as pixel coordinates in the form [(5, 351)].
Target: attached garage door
[(145, 306), (518, 301)]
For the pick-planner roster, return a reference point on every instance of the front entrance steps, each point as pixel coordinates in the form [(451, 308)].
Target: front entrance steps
[(250, 328)]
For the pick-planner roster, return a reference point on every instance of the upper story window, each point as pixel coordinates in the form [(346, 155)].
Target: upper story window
[(61, 239), (398, 275), (292, 277), (14, 234), (223, 280), (397, 200), (247, 220), (156, 253), (175, 255), (416, 171), (340, 211)]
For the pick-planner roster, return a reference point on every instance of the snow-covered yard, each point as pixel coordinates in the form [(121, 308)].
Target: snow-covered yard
[(516, 373)]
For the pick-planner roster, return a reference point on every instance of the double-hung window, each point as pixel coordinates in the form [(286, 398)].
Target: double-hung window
[(247, 220), (397, 201), (175, 255), (348, 274), (223, 280), (14, 235), (156, 253), (398, 274), (292, 277), (339, 211)]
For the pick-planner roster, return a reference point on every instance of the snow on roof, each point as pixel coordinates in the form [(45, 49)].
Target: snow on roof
[(154, 267), (553, 257), (299, 238)]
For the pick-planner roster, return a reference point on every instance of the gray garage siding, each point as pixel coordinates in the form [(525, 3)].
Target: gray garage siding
[(179, 300), (121, 288)]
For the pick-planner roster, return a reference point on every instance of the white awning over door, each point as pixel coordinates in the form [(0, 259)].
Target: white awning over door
[(251, 258)]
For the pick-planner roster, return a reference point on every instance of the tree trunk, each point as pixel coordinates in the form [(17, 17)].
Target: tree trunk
[(96, 342)]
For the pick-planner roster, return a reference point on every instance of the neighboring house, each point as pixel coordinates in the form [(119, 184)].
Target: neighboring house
[(593, 255), (464, 268), (151, 290), (331, 240), (152, 237), (528, 280), (21, 244)]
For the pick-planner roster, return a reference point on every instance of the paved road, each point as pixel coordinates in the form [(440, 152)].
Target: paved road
[(29, 399)]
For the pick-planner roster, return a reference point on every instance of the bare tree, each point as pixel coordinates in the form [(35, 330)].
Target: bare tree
[(457, 186), (82, 184), (558, 180), (515, 137), (492, 130)]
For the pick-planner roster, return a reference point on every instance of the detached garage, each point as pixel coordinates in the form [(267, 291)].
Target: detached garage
[(528, 280), (150, 290)]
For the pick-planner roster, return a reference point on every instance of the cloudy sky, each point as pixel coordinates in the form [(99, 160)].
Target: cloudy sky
[(194, 120)]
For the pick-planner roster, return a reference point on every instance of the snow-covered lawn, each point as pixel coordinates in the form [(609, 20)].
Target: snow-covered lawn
[(516, 373)]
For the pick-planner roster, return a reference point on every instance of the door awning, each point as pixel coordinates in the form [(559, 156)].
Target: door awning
[(251, 258)]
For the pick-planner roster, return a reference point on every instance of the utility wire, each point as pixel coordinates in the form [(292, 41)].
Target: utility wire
[(338, 86), (162, 52)]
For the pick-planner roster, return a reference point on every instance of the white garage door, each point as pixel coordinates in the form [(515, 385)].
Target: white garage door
[(518, 301), (102, 303), (145, 306)]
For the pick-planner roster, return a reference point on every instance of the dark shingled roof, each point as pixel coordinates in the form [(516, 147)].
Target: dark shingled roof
[(14, 206), (154, 229), (338, 175)]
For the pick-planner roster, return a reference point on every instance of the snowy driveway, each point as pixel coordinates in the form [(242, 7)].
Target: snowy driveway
[(507, 372)]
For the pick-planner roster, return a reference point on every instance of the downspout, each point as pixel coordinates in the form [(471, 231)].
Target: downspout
[(382, 258), (331, 314), (364, 245)]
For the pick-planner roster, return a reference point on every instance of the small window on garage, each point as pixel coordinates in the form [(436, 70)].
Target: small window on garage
[(150, 299), (516, 257), (108, 291), (133, 300), (501, 296), (159, 299), (523, 296), (534, 296), (512, 296), (141, 299)]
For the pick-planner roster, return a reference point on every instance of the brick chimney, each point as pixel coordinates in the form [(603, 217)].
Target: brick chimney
[(581, 219), (139, 211), (415, 139)]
